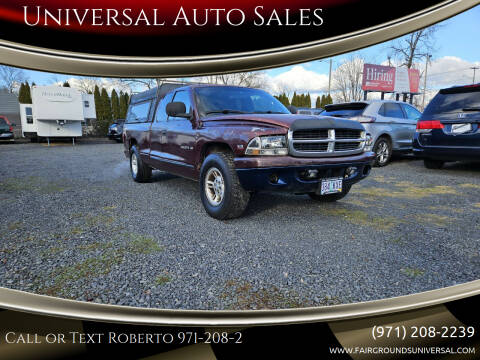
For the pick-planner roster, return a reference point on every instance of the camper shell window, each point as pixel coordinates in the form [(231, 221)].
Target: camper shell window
[(29, 115), (86, 103), (139, 112)]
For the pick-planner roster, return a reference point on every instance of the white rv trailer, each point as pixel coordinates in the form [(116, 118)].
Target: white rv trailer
[(55, 112)]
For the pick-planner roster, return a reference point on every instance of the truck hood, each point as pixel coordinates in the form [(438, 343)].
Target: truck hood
[(286, 120)]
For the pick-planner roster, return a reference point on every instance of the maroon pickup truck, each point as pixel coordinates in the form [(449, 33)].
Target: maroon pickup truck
[(236, 141)]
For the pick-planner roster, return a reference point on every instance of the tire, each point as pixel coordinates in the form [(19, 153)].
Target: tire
[(330, 197), (140, 172), (433, 164), (223, 197), (383, 151)]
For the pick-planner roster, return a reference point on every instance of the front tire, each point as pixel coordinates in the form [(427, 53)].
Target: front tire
[(222, 195), (139, 170), (383, 151), (330, 197), (433, 164)]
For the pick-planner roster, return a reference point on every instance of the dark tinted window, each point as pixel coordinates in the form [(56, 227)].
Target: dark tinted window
[(2, 121), (411, 112), (161, 114), (217, 99), (454, 100), (182, 96), (138, 112), (345, 110), (392, 110)]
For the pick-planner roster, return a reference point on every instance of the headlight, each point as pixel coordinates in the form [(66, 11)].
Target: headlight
[(267, 145), (368, 143)]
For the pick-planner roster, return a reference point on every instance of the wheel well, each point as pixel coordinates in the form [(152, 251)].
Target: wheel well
[(386, 136), (131, 143), (214, 146)]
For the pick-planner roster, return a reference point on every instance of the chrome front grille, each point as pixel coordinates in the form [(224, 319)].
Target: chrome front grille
[(326, 142)]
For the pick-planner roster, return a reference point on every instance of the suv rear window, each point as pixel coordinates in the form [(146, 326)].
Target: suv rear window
[(454, 100), (2, 121), (345, 110)]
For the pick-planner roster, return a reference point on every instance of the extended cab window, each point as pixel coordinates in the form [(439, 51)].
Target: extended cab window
[(138, 112), (182, 96), (161, 114)]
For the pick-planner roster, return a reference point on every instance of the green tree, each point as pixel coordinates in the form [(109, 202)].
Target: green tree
[(98, 102), (122, 106), (107, 107), (328, 100), (21, 94), (28, 95), (318, 103), (115, 105)]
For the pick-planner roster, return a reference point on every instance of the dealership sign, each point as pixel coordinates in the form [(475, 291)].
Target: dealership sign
[(390, 79)]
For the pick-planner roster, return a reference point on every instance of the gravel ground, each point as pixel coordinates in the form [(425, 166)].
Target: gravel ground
[(73, 224)]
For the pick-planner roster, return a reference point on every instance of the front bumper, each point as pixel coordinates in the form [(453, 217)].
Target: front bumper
[(291, 177), (6, 136)]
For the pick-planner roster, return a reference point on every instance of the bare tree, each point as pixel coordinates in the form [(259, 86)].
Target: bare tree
[(11, 77), (415, 46), (249, 79), (143, 84), (347, 79)]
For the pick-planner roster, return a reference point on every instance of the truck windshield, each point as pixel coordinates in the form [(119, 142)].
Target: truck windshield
[(218, 100)]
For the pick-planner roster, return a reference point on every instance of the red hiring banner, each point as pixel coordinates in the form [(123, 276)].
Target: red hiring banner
[(378, 78), (390, 79)]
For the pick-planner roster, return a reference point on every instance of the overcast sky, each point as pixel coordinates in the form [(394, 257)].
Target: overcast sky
[(457, 44)]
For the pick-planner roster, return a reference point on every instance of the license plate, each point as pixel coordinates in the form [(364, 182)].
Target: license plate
[(331, 186), (461, 128)]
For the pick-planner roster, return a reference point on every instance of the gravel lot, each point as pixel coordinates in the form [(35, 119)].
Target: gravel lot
[(73, 224)]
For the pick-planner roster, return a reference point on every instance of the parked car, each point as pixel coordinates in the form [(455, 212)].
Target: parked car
[(6, 129), (449, 129), (391, 123), (115, 130), (236, 141)]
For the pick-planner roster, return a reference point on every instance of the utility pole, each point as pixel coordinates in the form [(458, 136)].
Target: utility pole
[(474, 68), (425, 81)]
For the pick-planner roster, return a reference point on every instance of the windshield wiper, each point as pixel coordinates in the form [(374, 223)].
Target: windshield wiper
[(471, 109), (269, 112), (225, 111)]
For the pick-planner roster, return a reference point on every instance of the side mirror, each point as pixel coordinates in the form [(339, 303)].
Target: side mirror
[(292, 109), (177, 109)]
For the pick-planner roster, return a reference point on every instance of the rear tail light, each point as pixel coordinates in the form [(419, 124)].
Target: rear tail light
[(364, 119), (429, 125), (10, 128)]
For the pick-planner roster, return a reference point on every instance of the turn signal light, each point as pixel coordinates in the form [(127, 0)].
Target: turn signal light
[(429, 125)]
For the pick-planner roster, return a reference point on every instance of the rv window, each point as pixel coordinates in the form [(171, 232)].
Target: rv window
[(28, 112), (138, 112), (86, 103)]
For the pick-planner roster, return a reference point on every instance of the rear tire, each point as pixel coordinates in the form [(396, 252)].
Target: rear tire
[(139, 170), (330, 197), (383, 150), (222, 195), (433, 164)]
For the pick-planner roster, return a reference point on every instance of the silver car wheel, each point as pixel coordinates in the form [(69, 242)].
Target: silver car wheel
[(214, 186), (134, 164), (383, 152)]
